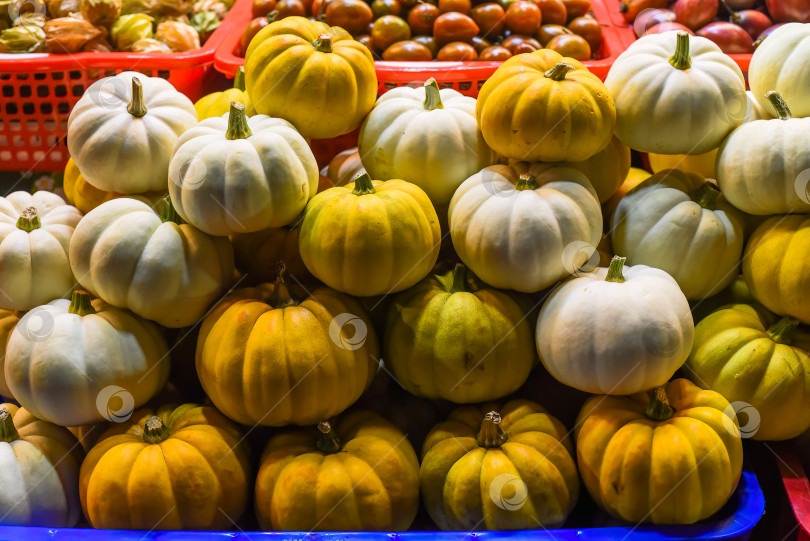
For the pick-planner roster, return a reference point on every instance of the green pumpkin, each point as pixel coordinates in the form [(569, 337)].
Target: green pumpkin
[(446, 338), (746, 354)]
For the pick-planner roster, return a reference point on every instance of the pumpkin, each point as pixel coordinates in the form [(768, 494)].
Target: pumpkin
[(780, 63), (445, 339), (85, 197), (182, 468), (776, 268), (680, 223), (675, 94), (65, 361), (391, 225), (259, 254), (607, 169), (234, 174), (344, 167), (764, 167), (747, 355), (702, 164), (737, 292), (634, 177), (360, 475), (543, 106), (754, 110), (121, 132), (628, 329), (35, 232), (526, 225), (264, 358), (671, 458), (317, 77), (509, 469), (426, 136), (40, 464), (161, 269), (8, 320), (217, 104)]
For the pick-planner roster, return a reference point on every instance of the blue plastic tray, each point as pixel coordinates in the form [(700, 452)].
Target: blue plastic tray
[(743, 512)]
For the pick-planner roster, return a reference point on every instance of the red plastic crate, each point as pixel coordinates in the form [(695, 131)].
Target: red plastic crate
[(797, 487), (39, 91)]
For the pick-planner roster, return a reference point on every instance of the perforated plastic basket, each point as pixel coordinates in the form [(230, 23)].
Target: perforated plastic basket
[(797, 487)]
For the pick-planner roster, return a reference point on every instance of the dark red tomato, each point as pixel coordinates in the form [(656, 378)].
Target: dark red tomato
[(576, 8), (660, 28), (650, 17), (351, 15), (422, 17), (525, 48), (571, 45), (754, 22), (388, 30), (767, 32), (366, 40), (549, 31), (260, 8), (695, 13), (290, 8), (516, 39), (457, 51), (731, 39), (480, 43), (429, 42), (590, 29), (252, 29), (385, 7), (797, 11), (553, 11), (523, 17), (495, 53), (451, 27), (631, 8), (408, 50), (490, 18), (461, 6)]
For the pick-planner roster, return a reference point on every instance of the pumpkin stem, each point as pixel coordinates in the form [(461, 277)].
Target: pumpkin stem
[(706, 195), (363, 184), (459, 279), (782, 111), (614, 273), (782, 331), (659, 409), (29, 220), (328, 442), (681, 59), (8, 432), (80, 303), (237, 122), (323, 44), (526, 182), (136, 107), (433, 100), (491, 434), (239, 80), (624, 7), (154, 431), (281, 297), (272, 16), (168, 213), (558, 71)]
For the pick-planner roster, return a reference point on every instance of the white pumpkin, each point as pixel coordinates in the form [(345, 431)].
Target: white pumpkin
[(127, 254), (66, 361), (233, 174), (781, 63), (675, 94), (121, 132), (763, 167), (526, 225), (753, 109), (35, 233), (8, 320), (39, 471), (424, 135), (680, 223), (616, 330)]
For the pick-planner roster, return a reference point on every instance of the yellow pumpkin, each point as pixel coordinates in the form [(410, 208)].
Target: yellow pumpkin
[(607, 169), (219, 103), (264, 358), (512, 471), (8, 320), (671, 458), (370, 237), (776, 267), (182, 468), (702, 164), (259, 254), (316, 77), (362, 474), (85, 197), (634, 177), (541, 106)]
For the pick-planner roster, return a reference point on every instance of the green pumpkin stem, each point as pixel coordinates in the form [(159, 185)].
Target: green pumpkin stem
[(168, 212), (706, 195), (281, 297), (29, 220), (363, 184), (154, 431), (272, 16), (136, 107), (779, 104), (659, 409), (237, 122), (433, 99), (782, 331), (239, 80), (526, 181), (328, 442), (8, 432), (614, 273), (459, 279), (681, 59), (558, 71), (323, 44), (80, 303), (491, 434)]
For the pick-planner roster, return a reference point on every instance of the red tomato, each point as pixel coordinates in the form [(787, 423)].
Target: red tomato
[(590, 29), (554, 11), (290, 8), (457, 51), (577, 8), (631, 8), (496, 52), (388, 30), (422, 17), (523, 17), (695, 13), (517, 39), (571, 45), (450, 27), (525, 48), (261, 8), (429, 42), (490, 18), (549, 31), (731, 39), (480, 43), (366, 40), (351, 15), (408, 50), (461, 6), (385, 7)]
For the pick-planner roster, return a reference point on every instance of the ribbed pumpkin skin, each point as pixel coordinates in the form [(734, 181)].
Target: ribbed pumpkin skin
[(282, 366), (733, 355), (258, 254), (323, 94), (607, 169), (85, 197), (8, 320), (371, 484), (197, 479), (457, 473), (676, 471)]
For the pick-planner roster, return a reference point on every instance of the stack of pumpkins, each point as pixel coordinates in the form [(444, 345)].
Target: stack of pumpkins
[(287, 283)]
